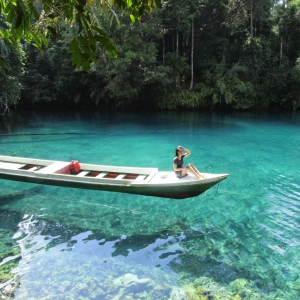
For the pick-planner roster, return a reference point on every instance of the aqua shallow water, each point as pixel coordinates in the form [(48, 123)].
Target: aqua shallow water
[(239, 239)]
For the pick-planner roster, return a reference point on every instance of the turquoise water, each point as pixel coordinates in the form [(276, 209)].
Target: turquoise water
[(239, 240)]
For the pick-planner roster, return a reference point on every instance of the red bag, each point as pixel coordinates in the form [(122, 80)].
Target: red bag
[(75, 166)]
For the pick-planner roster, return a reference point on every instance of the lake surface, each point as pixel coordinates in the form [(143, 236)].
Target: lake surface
[(239, 240)]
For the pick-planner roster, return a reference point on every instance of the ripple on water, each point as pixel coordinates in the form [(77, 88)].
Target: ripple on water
[(242, 242), (284, 210)]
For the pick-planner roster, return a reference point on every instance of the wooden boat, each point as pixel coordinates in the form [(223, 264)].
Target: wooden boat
[(143, 181)]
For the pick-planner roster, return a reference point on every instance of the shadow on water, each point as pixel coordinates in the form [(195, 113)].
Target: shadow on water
[(8, 198), (178, 246)]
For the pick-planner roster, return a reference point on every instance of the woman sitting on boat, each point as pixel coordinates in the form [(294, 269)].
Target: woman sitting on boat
[(181, 171)]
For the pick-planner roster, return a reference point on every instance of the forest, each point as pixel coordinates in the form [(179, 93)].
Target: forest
[(183, 54)]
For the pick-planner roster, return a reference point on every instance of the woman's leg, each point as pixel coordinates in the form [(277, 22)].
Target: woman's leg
[(191, 170), (196, 171)]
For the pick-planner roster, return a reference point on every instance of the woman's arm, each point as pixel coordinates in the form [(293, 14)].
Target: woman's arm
[(187, 152)]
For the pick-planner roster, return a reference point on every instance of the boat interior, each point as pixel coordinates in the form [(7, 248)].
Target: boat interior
[(65, 168)]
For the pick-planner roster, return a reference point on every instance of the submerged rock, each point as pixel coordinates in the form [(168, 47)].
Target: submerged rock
[(177, 294), (295, 285), (204, 288), (130, 284)]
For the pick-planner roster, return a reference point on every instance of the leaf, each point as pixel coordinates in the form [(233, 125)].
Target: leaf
[(85, 65), (19, 32), (44, 40), (19, 19), (91, 40), (89, 53), (52, 32), (9, 7), (132, 18), (76, 59), (107, 44), (10, 16), (73, 46), (83, 41), (82, 45), (86, 48), (99, 30), (29, 9)]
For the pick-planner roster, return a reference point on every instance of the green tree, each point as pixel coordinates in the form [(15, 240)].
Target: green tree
[(50, 77), (177, 19), (288, 26), (136, 68), (34, 20), (220, 54), (12, 59), (293, 97)]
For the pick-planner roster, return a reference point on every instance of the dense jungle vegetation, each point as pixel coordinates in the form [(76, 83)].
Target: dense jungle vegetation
[(186, 54)]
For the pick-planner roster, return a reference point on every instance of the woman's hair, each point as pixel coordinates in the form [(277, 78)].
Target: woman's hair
[(177, 150)]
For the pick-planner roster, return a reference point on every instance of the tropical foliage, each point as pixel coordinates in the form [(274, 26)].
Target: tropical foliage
[(11, 67), (34, 20), (207, 54)]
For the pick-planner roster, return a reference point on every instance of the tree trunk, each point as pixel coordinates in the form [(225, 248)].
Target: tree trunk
[(177, 42), (164, 50), (251, 19), (281, 50), (177, 51), (192, 57), (4, 106)]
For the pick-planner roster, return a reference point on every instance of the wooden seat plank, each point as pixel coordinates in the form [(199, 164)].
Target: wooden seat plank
[(82, 173), (54, 167), (101, 175), (141, 177)]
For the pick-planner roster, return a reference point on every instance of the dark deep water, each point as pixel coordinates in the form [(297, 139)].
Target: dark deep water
[(241, 242)]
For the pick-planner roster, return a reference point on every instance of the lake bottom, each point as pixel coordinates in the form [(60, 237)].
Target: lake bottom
[(239, 240)]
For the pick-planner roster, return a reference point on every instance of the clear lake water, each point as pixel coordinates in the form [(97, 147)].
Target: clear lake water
[(238, 240)]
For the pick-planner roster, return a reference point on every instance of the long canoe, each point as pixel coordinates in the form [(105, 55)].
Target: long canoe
[(142, 181)]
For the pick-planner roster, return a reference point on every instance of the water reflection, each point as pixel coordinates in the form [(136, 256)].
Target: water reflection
[(55, 258)]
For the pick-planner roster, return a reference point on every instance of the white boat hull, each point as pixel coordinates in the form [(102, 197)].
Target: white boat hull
[(142, 181)]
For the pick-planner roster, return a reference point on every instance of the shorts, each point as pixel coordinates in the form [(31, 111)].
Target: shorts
[(179, 174)]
